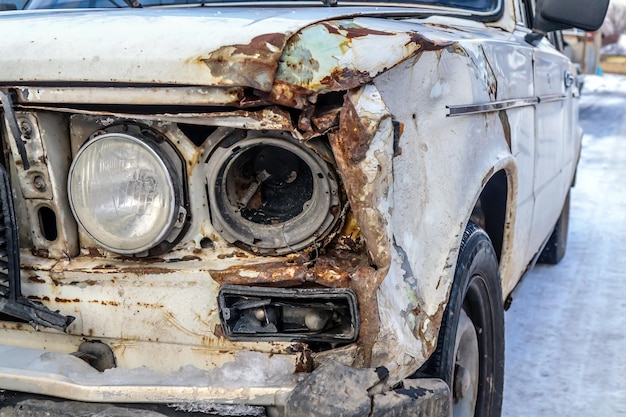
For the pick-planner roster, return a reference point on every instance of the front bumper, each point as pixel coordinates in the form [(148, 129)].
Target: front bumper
[(331, 390)]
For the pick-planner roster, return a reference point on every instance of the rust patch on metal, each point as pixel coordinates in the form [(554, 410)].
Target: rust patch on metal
[(36, 279), (105, 303), (145, 270), (93, 252), (331, 269), (326, 120), (335, 268), (330, 273), (427, 332), (506, 126), (353, 139), (184, 258), (218, 331), (253, 64), (272, 117), (345, 79), (146, 305), (36, 298), (66, 300), (291, 95), (352, 32), (304, 358), (350, 145), (428, 44), (42, 253), (365, 282), (274, 273)]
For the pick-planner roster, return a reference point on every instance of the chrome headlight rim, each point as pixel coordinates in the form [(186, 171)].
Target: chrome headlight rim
[(308, 228), (173, 189)]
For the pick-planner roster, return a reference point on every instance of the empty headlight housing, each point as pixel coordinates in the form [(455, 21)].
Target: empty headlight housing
[(125, 193), (271, 194)]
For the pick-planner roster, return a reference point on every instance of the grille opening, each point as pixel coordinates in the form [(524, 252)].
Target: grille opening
[(196, 133), (48, 224)]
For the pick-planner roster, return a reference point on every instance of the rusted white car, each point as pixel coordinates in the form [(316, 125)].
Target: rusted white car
[(282, 209)]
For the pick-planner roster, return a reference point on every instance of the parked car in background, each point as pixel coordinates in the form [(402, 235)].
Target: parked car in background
[(83, 4), (8, 5), (282, 209)]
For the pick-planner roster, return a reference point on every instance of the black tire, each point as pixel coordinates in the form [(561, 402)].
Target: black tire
[(472, 331), (555, 249)]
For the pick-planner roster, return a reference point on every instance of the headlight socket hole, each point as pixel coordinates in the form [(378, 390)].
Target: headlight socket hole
[(270, 194)]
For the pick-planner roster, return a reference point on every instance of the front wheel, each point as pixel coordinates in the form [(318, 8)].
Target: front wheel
[(470, 349)]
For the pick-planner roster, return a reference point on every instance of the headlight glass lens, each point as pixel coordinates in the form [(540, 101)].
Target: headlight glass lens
[(122, 192)]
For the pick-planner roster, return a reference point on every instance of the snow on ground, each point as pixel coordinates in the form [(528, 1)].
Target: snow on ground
[(610, 84), (566, 329)]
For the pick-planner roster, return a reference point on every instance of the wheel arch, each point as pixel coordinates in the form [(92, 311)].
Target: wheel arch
[(490, 209)]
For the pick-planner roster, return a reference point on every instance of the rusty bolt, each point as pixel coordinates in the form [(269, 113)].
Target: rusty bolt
[(39, 182), (27, 129)]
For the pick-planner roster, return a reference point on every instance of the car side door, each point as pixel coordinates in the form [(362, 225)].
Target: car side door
[(557, 139)]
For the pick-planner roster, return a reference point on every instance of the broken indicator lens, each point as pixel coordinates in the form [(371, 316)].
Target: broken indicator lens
[(320, 315)]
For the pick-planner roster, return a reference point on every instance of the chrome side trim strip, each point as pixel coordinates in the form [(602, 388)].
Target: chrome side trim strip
[(552, 99), (465, 109)]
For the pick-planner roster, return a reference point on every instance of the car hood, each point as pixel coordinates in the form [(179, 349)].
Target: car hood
[(313, 48)]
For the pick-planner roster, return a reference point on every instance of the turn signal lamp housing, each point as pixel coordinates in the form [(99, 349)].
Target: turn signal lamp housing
[(288, 314)]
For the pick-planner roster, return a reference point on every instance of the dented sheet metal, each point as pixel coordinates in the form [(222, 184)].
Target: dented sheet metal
[(225, 47), (306, 77), (336, 56), (65, 375)]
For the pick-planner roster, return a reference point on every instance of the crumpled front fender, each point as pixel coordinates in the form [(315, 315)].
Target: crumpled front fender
[(344, 54)]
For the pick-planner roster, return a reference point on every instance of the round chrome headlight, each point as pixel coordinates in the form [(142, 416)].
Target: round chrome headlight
[(272, 195), (124, 193)]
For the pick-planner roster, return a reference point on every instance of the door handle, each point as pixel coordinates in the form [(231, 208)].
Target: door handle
[(569, 79)]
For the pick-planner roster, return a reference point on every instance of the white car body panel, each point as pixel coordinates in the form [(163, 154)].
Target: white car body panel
[(422, 116)]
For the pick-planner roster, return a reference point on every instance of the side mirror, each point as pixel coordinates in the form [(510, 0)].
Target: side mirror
[(566, 14)]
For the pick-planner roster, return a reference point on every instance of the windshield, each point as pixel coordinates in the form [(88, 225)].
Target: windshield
[(472, 5)]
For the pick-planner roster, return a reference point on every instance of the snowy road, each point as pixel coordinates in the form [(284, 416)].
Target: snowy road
[(566, 329)]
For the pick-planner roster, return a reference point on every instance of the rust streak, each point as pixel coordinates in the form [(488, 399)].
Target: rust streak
[(34, 297), (352, 32), (345, 79), (66, 300), (275, 273), (326, 120), (147, 270), (331, 270), (365, 282), (506, 126), (428, 44), (304, 359), (353, 139), (291, 95)]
